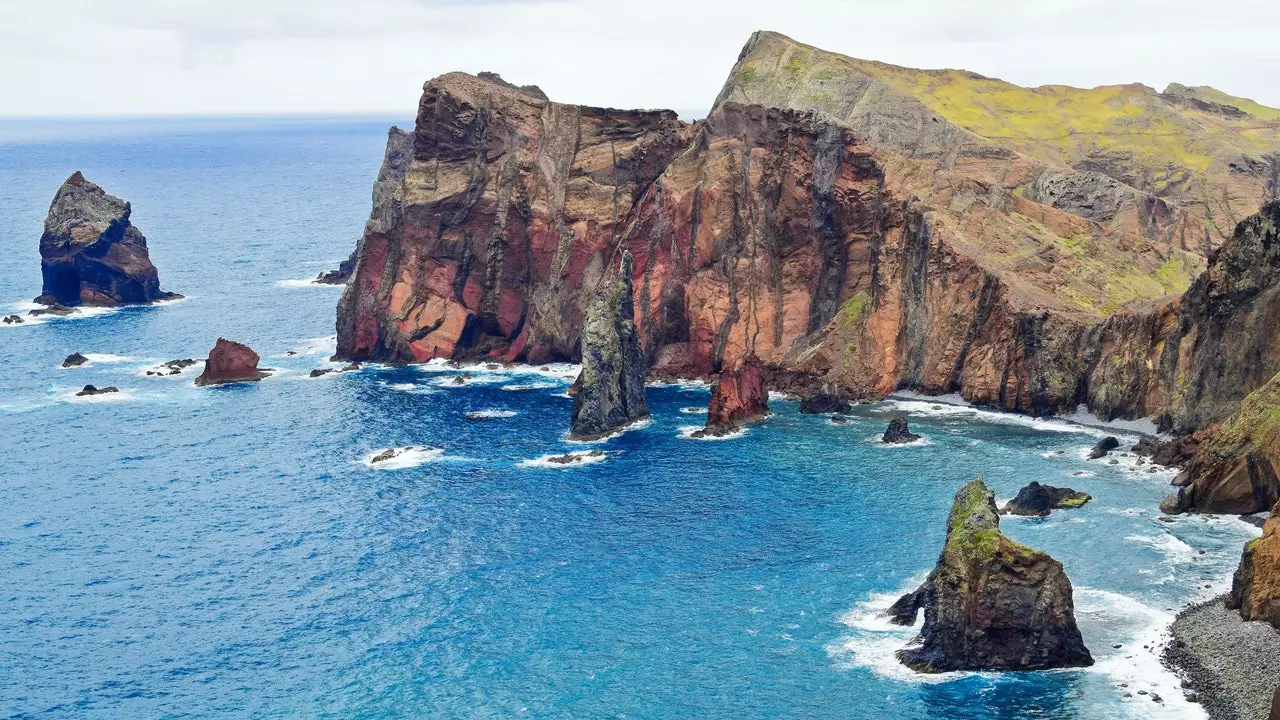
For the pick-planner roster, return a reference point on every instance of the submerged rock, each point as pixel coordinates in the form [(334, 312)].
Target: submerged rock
[(898, 432), (75, 359), (54, 309), (1104, 447), (13, 320), (738, 397), (828, 398), (173, 367), (991, 603), (1255, 588), (91, 254), (611, 394), (230, 362), (92, 390), (1037, 499), (571, 458)]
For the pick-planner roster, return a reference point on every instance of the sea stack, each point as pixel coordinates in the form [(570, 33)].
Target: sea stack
[(898, 432), (91, 254), (1255, 589), (738, 397), (611, 394), (991, 603), (230, 362)]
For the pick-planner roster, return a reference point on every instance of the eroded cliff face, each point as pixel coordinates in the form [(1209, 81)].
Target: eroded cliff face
[(1255, 588), (862, 239)]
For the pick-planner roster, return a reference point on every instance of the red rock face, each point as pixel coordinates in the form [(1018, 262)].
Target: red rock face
[(739, 395), (758, 231), (230, 362)]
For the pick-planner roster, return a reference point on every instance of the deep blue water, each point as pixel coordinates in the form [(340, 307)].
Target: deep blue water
[(173, 551)]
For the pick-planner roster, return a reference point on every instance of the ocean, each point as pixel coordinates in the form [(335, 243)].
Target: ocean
[(172, 551)]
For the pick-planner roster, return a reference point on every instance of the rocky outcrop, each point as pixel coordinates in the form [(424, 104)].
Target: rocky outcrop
[(1037, 500), (91, 390), (827, 398), (1236, 466), (898, 432), (75, 359), (340, 274), (611, 395), (1255, 589), (1103, 447), (828, 216), (738, 397), (991, 603), (230, 362), (91, 254)]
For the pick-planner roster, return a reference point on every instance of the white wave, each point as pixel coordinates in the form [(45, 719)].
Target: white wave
[(160, 370), (529, 386), (1174, 550), (1107, 619), (578, 457), (694, 410), (407, 388), (690, 384), (306, 283), (107, 358), (874, 641), (878, 441), (777, 395), (687, 431), (936, 407), (637, 425), (490, 414), (405, 457), (314, 346)]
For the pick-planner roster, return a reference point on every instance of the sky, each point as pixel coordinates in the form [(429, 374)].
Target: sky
[(214, 57)]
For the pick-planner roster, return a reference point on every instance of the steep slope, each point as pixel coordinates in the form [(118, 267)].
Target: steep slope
[(843, 231)]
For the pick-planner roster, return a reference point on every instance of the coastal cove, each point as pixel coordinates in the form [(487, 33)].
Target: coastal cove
[(173, 549)]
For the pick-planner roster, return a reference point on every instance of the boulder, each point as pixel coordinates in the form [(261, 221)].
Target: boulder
[(572, 458), (91, 254), (1255, 588), (340, 275), (991, 603), (828, 398), (230, 362), (898, 432), (92, 390), (1104, 447), (172, 367), (75, 359), (613, 365), (738, 396), (1037, 500), (13, 320), (53, 309)]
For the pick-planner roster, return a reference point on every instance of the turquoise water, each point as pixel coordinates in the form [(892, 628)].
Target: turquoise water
[(172, 551)]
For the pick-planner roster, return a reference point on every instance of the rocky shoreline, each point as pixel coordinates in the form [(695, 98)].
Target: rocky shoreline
[(1232, 666)]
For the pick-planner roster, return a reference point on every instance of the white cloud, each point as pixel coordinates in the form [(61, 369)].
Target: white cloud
[(282, 56)]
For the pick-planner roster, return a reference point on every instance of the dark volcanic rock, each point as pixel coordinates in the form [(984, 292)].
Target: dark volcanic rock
[(230, 362), (991, 603), (340, 275), (738, 396), (173, 367), (1104, 447), (13, 320), (904, 610), (613, 366), (1171, 453), (90, 254), (828, 398), (1037, 499), (54, 309), (92, 390), (75, 359), (899, 432)]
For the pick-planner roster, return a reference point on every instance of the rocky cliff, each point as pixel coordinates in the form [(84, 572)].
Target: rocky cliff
[(91, 254), (991, 603), (611, 387), (1255, 589), (842, 220)]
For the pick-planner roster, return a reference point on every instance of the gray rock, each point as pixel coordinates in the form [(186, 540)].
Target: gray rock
[(611, 393)]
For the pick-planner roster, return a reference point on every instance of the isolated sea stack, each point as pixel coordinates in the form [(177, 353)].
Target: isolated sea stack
[(90, 254), (611, 395), (1255, 589), (738, 397), (990, 603), (230, 362)]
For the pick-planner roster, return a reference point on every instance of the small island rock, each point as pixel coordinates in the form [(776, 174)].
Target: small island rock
[(898, 432), (1104, 447), (75, 359), (92, 390), (230, 362), (1037, 500), (611, 392)]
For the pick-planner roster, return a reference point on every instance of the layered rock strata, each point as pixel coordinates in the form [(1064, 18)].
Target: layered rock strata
[(991, 603), (1255, 589), (611, 393), (90, 252)]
